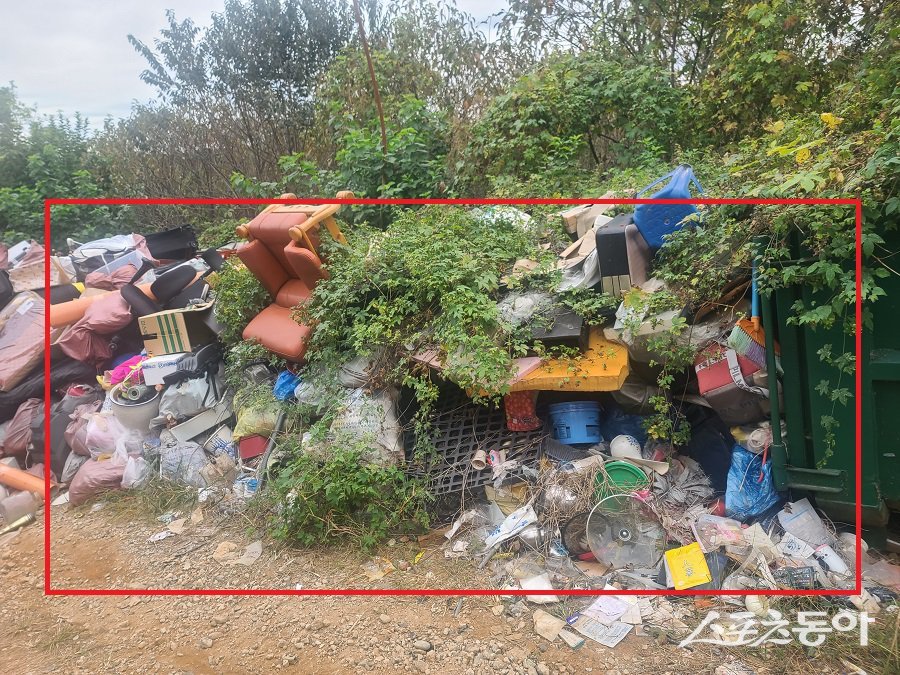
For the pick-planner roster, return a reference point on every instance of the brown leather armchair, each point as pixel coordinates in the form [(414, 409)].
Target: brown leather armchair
[(283, 254)]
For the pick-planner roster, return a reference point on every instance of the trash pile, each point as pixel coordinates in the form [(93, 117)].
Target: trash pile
[(562, 486), (135, 368)]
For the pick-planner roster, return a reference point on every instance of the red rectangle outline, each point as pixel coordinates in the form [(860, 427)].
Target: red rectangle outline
[(48, 203)]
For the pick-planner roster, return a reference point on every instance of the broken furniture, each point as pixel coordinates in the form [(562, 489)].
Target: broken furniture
[(283, 254)]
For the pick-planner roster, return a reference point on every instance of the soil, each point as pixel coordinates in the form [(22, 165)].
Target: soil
[(131, 633)]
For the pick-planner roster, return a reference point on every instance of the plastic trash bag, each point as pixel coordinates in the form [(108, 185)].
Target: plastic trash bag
[(372, 418), (254, 421), (70, 468), (585, 274), (357, 372), (94, 477), (746, 496), (137, 471), (186, 399), (517, 309), (285, 385), (616, 422), (183, 463), (102, 433)]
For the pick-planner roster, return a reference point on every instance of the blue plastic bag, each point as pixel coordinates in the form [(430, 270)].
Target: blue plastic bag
[(285, 385), (746, 496), (655, 221)]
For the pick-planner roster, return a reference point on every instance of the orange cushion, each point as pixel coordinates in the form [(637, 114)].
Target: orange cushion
[(264, 266), (292, 293), (275, 330)]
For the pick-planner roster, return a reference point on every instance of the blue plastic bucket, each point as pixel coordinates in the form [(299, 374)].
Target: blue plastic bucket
[(577, 422)]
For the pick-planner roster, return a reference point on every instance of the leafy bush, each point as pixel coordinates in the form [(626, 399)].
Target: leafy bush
[(429, 281), (577, 109), (412, 167), (347, 498), (239, 297)]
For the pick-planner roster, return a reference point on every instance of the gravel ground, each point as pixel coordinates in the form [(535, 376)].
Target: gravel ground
[(311, 634)]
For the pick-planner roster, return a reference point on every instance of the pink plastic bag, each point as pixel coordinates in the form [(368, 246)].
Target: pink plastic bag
[(102, 432), (18, 433), (76, 431), (95, 477), (113, 281), (86, 340)]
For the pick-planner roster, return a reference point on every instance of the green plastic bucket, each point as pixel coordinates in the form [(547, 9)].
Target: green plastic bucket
[(621, 478)]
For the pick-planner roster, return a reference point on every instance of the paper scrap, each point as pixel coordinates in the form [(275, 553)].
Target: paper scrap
[(177, 526), (546, 625), (794, 547), (225, 552), (571, 639), (606, 609), (608, 636), (801, 520), (377, 568), (159, 536)]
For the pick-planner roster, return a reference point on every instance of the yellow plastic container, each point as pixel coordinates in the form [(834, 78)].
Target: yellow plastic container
[(602, 367)]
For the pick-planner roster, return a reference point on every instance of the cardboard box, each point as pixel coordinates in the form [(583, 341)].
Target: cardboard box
[(157, 367), (176, 330)]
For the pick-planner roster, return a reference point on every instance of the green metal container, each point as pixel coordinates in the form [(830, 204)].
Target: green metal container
[(807, 463)]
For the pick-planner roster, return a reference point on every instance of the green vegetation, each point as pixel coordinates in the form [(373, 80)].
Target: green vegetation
[(770, 98), (344, 496)]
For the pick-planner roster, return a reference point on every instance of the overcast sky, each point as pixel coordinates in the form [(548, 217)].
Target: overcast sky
[(74, 55)]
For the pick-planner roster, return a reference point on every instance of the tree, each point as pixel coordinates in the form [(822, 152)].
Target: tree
[(235, 96), (47, 157)]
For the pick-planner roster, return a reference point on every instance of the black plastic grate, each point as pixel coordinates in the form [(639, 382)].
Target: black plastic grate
[(461, 428)]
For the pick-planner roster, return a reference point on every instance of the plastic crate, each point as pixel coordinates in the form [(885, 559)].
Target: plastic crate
[(460, 429)]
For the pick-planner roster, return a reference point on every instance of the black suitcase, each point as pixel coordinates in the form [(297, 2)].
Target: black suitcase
[(177, 243), (612, 256), (561, 327)]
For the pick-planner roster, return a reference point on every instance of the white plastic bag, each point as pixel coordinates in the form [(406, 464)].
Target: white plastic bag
[(186, 399), (515, 522), (102, 434), (182, 463), (372, 418), (137, 471)]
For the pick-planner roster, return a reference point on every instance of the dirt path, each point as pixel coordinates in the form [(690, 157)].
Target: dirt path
[(323, 634)]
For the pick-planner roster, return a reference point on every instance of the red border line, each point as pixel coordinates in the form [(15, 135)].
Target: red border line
[(48, 590)]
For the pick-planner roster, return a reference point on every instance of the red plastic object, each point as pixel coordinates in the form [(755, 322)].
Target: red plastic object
[(252, 446)]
